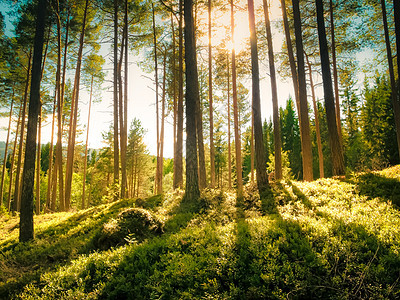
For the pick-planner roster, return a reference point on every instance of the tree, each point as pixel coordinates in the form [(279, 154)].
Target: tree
[(238, 148), (303, 115), (395, 101), (335, 144), (192, 191), (116, 144), (210, 99), (262, 179), (275, 110), (74, 113), (26, 218)]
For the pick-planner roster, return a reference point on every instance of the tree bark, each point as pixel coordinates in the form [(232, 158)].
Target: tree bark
[(336, 149), (161, 161), (275, 108), (37, 202), (17, 189), (395, 92), (238, 147), (74, 114), (86, 146), (229, 127), (303, 116), (6, 149), (317, 130), (335, 73), (178, 163), (291, 57), (262, 178), (192, 192), (124, 135), (13, 157), (26, 231), (210, 100), (116, 131)]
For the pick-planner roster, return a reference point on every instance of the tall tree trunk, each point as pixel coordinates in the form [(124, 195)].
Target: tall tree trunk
[(200, 145), (178, 172), (74, 114), (116, 131), (157, 178), (124, 130), (50, 169), (317, 130), (17, 190), (86, 147), (38, 160), (395, 102), (6, 149), (121, 116), (161, 161), (26, 217), (335, 73), (336, 149), (306, 146), (291, 57), (192, 192), (238, 147), (252, 148), (58, 167), (262, 178), (210, 100), (13, 157), (275, 109), (229, 127), (174, 96)]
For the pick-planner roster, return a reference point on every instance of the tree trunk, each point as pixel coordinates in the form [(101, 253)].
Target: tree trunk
[(306, 146), (26, 217), (210, 99), (238, 147), (395, 102), (174, 96), (252, 148), (38, 160), (161, 161), (157, 178), (124, 135), (336, 149), (116, 131), (192, 192), (275, 109), (262, 178), (229, 127), (178, 172), (317, 130), (74, 114), (86, 147), (50, 170), (291, 57), (6, 149), (200, 145), (335, 74), (17, 189), (13, 158), (121, 116)]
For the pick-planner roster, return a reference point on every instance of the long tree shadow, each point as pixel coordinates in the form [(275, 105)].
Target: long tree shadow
[(374, 185)]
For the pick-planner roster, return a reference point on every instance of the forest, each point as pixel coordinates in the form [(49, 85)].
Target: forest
[(270, 168)]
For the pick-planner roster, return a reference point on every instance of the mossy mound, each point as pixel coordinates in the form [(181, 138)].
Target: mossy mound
[(131, 225)]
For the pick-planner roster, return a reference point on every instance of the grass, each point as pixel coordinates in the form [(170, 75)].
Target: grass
[(327, 239)]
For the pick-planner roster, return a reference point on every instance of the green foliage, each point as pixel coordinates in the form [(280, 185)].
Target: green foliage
[(327, 239), (378, 127)]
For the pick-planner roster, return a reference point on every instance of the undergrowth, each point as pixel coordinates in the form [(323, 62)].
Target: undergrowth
[(326, 239)]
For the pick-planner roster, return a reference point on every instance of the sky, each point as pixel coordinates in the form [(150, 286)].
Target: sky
[(141, 95)]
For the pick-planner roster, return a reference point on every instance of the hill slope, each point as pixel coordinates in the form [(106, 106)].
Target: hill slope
[(327, 239)]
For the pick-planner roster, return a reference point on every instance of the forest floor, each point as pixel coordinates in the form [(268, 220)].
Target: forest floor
[(326, 239)]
